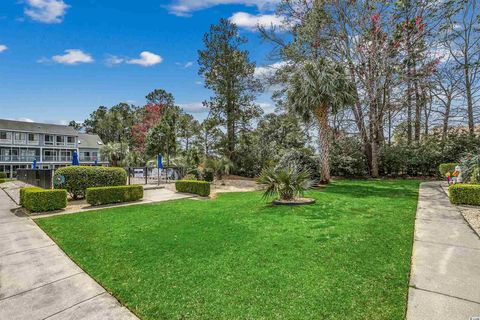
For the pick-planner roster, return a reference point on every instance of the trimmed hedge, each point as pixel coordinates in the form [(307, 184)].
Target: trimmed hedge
[(445, 168), (3, 175), (104, 195), (465, 194), (3, 180), (41, 200), (202, 188), (78, 178)]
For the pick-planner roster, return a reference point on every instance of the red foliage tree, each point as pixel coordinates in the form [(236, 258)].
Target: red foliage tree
[(151, 116)]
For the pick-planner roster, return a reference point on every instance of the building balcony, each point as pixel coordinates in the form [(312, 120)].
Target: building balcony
[(91, 159), (57, 159), (19, 158), (5, 141)]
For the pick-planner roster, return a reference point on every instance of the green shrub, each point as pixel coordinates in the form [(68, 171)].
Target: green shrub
[(474, 176), (190, 176), (208, 175), (3, 180), (3, 175), (41, 200), (445, 168), (76, 179), (465, 194), (202, 188), (104, 195), (347, 158)]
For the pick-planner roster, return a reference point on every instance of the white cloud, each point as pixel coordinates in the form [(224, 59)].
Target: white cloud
[(198, 82), (188, 64), (25, 119), (46, 11), (269, 70), (146, 59), (184, 8), (3, 47), (252, 22), (266, 107), (112, 60), (194, 107), (71, 56)]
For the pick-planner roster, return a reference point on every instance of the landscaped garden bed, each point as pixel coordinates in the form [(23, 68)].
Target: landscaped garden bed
[(237, 257)]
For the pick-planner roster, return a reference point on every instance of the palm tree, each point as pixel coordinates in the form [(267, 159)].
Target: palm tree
[(315, 90)]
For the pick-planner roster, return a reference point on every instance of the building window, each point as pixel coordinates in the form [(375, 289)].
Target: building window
[(60, 140), (32, 138), (48, 139), (71, 140), (5, 135), (20, 137)]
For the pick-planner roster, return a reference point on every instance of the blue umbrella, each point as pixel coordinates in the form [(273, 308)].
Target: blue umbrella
[(159, 161), (75, 161), (34, 166)]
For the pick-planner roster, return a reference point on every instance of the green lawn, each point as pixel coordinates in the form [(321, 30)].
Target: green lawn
[(235, 257)]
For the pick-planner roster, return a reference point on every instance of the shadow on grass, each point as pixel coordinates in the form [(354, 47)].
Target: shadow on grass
[(383, 190)]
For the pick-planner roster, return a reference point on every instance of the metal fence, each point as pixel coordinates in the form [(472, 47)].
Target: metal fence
[(149, 175), (42, 178)]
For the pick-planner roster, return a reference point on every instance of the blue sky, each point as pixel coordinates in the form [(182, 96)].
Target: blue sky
[(61, 59)]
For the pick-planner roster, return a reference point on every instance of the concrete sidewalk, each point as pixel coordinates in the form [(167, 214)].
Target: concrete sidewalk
[(38, 281), (445, 277)]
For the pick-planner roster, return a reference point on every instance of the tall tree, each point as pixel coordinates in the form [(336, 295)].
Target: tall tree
[(462, 38), (315, 90), (160, 97), (188, 129), (446, 91), (209, 137), (148, 117), (228, 72), (75, 125), (114, 124), (162, 138)]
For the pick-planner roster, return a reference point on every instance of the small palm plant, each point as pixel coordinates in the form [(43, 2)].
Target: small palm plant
[(219, 167), (286, 183)]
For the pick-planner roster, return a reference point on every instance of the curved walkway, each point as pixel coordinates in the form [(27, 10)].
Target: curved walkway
[(38, 281), (445, 276)]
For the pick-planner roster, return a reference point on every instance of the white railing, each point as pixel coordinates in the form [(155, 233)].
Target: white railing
[(57, 158), (4, 158), (5, 141)]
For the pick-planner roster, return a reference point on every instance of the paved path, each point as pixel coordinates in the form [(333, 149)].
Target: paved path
[(445, 278), (38, 281)]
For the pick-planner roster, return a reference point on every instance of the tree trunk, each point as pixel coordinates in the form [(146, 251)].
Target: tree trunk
[(324, 143), (468, 92), (446, 117), (418, 103), (375, 156)]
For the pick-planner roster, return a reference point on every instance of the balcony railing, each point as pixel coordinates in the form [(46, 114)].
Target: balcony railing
[(5, 141), (92, 159), (19, 158), (57, 159)]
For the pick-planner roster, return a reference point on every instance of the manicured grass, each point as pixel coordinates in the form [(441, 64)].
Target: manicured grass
[(235, 257)]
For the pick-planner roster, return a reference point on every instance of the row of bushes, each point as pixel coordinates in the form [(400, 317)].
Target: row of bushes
[(40, 200), (76, 179), (465, 194), (105, 195), (202, 188)]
